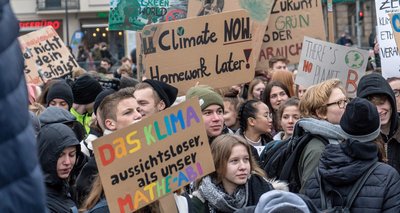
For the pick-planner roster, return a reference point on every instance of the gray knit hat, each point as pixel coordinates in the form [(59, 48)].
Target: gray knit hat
[(280, 201)]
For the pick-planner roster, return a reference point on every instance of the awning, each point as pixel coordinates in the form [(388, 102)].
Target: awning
[(94, 23)]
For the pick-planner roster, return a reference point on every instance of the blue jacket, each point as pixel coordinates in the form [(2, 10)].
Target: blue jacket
[(21, 180)]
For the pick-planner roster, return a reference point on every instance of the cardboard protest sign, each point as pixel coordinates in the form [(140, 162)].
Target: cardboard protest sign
[(204, 7), (214, 50), (135, 14), (151, 159), (322, 60), (289, 22), (46, 56), (258, 27), (388, 50)]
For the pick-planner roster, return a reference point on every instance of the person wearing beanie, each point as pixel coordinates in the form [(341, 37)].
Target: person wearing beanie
[(378, 91), (95, 129), (154, 96), (85, 90), (60, 95), (212, 108), (342, 165)]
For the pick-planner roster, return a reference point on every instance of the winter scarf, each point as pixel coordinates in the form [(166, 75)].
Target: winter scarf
[(330, 131), (219, 200)]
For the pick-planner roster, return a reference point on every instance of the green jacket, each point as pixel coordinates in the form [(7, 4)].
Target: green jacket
[(83, 119)]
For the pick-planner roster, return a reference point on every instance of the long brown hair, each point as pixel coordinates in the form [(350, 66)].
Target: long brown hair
[(94, 195), (221, 150), (286, 78)]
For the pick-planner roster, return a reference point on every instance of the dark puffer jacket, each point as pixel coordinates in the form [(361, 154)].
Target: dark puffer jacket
[(342, 165), (52, 140), (373, 84), (21, 180)]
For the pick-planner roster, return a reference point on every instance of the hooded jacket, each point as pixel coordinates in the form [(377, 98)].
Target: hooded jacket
[(52, 140), (342, 165), (373, 84), (21, 180), (59, 115)]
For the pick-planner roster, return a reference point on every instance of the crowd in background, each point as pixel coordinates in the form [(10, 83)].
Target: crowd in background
[(351, 140)]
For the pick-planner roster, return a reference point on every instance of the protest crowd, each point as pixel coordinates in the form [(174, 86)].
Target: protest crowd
[(276, 145)]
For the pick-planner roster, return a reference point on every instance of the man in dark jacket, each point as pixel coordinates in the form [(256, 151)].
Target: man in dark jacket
[(59, 150), (376, 89), (21, 179)]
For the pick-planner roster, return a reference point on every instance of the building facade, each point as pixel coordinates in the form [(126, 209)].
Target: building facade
[(78, 22), (86, 22)]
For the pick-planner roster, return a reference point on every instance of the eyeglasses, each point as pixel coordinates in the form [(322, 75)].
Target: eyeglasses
[(396, 92), (341, 103)]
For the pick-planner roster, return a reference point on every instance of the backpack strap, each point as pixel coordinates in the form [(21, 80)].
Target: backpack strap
[(358, 185), (326, 202), (321, 190)]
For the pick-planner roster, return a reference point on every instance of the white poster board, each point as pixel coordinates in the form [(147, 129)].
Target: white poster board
[(388, 50), (322, 60)]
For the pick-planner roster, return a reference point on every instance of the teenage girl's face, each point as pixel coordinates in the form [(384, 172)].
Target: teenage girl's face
[(263, 119), (66, 162), (277, 97), (257, 90), (237, 169), (230, 114), (290, 116)]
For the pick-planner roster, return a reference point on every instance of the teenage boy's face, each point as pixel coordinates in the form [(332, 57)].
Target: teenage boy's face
[(127, 113), (213, 120), (146, 103)]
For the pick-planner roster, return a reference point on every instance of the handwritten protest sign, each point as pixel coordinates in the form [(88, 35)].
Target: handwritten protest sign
[(46, 56), (257, 9), (322, 60), (135, 14), (213, 50), (150, 159), (204, 7), (388, 50), (290, 21)]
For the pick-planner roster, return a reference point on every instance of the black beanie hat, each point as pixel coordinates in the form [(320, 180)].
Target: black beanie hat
[(100, 97), (361, 120), (60, 90), (166, 92), (85, 89)]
